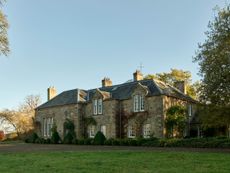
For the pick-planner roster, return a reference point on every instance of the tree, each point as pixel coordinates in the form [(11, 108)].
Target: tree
[(22, 119), (213, 57), (4, 42), (14, 121), (177, 75)]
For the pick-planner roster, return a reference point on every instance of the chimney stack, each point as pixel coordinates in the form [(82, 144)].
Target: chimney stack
[(106, 82), (51, 93), (137, 76), (181, 85)]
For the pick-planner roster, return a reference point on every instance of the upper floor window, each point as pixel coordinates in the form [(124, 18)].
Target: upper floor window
[(97, 106), (139, 104), (146, 131)]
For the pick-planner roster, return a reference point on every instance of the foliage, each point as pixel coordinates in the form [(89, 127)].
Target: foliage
[(32, 138), (4, 42), (86, 122), (213, 57), (89, 121), (55, 138), (174, 76), (22, 119), (213, 116), (99, 138), (175, 121), (69, 131)]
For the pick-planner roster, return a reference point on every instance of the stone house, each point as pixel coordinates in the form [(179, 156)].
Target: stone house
[(129, 110)]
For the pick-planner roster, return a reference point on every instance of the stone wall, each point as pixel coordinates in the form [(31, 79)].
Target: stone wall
[(107, 118), (116, 116), (59, 113), (152, 115)]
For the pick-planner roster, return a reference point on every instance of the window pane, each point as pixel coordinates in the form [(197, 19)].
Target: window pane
[(44, 127), (91, 131), (136, 103), (95, 107), (146, 130), (131, 132), (142, 103), (100, 106)]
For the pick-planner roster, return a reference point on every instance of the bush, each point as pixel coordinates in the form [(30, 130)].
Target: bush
[(31, 138), (99, 138), (68, 139), (88, 141), (70, 136), (55, 138)]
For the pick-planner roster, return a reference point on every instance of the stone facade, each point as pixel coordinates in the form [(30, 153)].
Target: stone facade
[(118, 113)]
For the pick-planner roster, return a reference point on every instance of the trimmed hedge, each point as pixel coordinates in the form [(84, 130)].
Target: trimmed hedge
[(216, 142), (99, 138)]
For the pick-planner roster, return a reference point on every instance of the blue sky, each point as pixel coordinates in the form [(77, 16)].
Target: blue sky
[(74, 44)]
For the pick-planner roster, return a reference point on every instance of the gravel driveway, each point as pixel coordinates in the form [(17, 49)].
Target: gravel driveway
[(23, 147)]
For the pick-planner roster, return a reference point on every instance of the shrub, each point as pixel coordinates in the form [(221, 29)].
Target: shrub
[(31, 138), (55, 138), (68, 139), (88, 141), (70, 136), (99, 138)]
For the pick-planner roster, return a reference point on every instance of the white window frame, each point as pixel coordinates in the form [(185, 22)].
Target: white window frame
[(95, 107), (189, 110), (44, 127), (100, 106), (138, 103), (131, 131), (103, 130), (47, 126), (146, 130), (92, 131), (142, 103)]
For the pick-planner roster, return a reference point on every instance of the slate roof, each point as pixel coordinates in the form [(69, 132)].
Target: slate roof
[(119, 92)]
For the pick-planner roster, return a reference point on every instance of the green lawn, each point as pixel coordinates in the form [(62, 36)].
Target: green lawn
[(115, 161)]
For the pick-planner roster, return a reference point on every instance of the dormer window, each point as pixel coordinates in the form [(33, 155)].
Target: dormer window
[(97, 106), (139, 104)]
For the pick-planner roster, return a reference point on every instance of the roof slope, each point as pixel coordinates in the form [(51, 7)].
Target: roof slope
[(119, 92)]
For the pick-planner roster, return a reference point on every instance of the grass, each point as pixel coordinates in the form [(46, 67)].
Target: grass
[(115, 162)]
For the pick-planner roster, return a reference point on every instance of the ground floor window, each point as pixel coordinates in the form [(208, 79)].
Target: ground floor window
[(103, 130), (146, 131), (47, 126), (131, 131), (92, 131)]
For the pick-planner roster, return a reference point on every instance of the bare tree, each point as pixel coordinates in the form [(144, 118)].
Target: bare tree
[(21, 120)]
